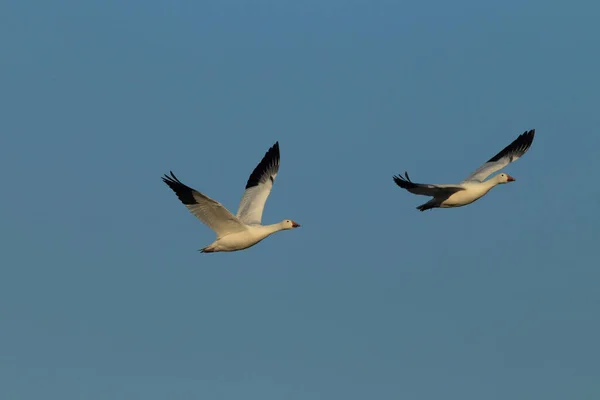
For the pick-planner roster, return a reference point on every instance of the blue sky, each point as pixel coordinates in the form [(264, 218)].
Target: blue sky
[(103, 292)]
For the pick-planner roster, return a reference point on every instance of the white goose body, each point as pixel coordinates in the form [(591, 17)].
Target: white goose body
[(243, 230), (471, 192), (474, 186), (243, 240)]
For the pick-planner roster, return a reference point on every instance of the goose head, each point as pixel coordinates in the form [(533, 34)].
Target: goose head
[(289, 224), (505, 178)]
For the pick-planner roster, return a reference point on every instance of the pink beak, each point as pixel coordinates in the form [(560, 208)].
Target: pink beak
[(295, 224), (510, 178)]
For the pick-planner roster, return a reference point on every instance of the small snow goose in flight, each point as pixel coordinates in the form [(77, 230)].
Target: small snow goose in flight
[(474, 186), (243, 230)]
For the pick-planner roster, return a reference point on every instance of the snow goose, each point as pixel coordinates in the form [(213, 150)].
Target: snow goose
[(474, 186), (244, 229)]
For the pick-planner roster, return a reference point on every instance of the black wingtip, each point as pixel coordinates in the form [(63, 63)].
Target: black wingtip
[(527, 136), (270, 159), (183, 192), (520, 145), (166, 177), (404, 183)]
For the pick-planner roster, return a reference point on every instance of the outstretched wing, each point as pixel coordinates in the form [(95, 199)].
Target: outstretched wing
[(207, 210), (259, 187), (425, 189), (510, 153)]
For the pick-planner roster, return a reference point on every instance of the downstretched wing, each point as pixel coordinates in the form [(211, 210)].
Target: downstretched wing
[(259, 187), (207, 210), (510, 153), (425, 189)]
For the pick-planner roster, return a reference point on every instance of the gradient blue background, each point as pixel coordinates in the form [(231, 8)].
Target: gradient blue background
[(103, 294)]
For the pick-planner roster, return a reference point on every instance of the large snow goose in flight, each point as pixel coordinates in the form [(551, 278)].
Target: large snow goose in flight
[(244, 229), (474, 186)]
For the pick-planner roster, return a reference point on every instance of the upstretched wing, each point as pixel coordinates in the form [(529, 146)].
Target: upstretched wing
[(510, 153), (207, 210), (259, 187), (425, 189)]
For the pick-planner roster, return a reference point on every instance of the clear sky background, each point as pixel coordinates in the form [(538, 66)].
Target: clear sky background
[(103, 294)]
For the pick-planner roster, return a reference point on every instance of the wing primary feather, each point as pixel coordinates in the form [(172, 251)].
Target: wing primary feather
[(518, 147), (258, 187), (183, 192), (507, 155), (269, 162), (404, 183)]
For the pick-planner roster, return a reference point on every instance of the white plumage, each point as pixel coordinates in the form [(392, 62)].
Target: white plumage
[(236, 232), (474, 186)]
